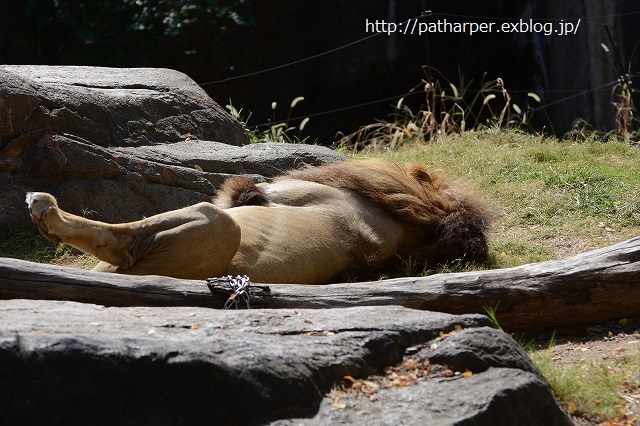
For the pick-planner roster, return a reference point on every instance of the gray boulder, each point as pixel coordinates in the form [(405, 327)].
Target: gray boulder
[(120, 144), (504, 388), (109, 106), (71, 363)]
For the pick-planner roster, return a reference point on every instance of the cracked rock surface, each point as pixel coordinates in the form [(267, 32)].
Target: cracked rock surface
[(64, 362)]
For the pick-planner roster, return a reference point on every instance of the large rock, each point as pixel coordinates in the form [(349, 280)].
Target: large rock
[(110, 106), (120, 144), (71, 363), (504, 387)]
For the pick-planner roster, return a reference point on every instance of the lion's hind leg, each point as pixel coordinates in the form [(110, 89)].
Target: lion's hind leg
[(92, 237), (195, 242)]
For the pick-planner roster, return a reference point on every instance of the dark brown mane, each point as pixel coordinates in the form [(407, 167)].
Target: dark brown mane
[(413, 194), (452, 220)]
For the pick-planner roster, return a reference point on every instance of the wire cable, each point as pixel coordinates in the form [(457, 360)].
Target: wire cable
[(425, 14)]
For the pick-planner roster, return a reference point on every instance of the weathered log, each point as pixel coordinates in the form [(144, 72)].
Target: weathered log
[(592, 287)]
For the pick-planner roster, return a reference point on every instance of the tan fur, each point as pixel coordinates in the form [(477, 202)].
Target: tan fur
[(450, 220), (308, 226)]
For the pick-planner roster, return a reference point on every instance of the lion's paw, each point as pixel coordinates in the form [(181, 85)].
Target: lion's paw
[(39, 203), (41, 206)]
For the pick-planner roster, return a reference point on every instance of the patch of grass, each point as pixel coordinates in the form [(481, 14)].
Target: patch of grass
[(507, 252), (552, 198), (593, 391), (27, 244), (276, 130), (410, 268), (602, 393)]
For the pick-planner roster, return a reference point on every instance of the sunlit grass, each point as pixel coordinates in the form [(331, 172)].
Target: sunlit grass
[(552, 198), (595, 391)]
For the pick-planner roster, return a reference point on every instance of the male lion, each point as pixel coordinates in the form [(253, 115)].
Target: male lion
[(309, 226)]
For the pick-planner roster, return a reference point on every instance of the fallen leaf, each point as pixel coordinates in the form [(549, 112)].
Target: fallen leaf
[(467, 374), (572, 408), (372, 385), (411, 363), (349, 378), (339, 405)]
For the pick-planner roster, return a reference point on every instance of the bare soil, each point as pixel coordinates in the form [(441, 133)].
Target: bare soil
[(594, 344), (600, 345)]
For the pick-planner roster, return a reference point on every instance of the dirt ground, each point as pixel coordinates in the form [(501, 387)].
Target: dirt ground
[(603, 344), (595, 343)]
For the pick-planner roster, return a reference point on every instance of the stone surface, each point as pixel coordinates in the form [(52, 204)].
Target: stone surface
[(120, 144), (110, 106), (503, 388), (63, 362), (498, 396)]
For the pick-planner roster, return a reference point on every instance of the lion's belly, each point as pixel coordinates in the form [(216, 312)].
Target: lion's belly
[(306, 245), (311, 244)]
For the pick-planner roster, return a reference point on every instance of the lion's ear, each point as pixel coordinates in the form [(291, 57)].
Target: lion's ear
[(421, 175)]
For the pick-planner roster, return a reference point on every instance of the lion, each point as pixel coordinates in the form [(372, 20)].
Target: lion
[(309, 226)]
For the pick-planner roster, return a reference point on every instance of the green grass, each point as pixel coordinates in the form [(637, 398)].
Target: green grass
[(28, 244), (594, 391), (552, 198)]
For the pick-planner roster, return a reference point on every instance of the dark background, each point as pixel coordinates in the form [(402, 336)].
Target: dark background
[(212, 41)]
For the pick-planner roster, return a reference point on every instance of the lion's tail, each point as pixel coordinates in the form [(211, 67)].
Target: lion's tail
[(240, 191)]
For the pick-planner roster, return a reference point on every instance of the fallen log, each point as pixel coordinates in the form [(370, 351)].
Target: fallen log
[(595, 286)]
